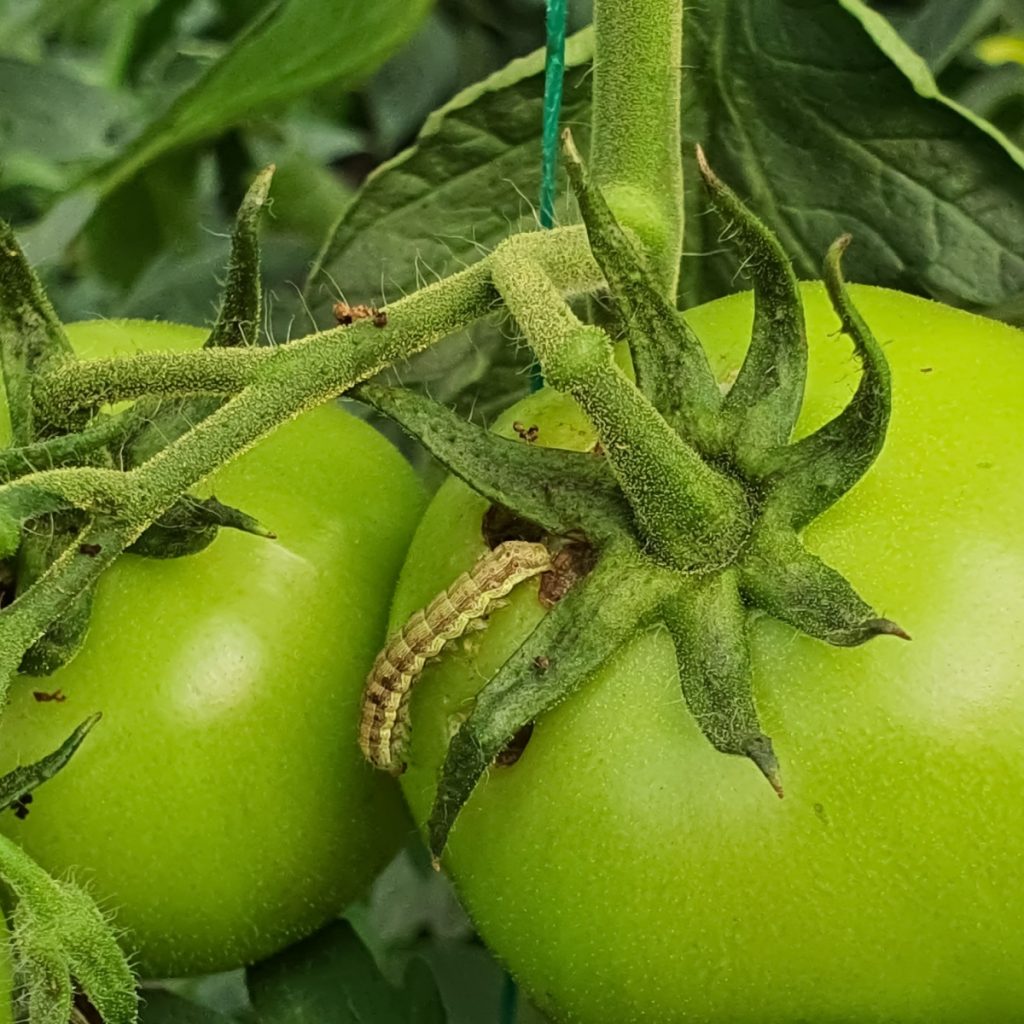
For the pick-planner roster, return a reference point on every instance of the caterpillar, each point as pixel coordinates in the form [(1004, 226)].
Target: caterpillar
[(384, 726)]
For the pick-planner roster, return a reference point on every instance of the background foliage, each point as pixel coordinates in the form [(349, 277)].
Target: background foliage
[(129, 132)]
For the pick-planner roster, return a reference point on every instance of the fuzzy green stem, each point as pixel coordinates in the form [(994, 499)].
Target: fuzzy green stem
[(414, 323), (82, 385), (635, 154)]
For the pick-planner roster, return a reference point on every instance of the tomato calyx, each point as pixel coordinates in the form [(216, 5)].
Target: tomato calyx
[(693, 501)]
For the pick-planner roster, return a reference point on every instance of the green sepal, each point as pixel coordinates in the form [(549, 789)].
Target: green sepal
[(31, 335), (807, 477), (708, 625), (65, 635), (158, 422), (190, 525), (20, 781), (237, 325), (762, 406), (560, 490), (671, 366), (784, 579), (238, 322), (53, 596), (59, 936), (582, 631)]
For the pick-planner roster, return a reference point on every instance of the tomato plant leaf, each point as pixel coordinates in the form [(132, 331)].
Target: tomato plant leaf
[(191, 524), (940, 29), (671, 366), (708, 626), (66, 584), (331, 978), (783, 578), (815, 472), (468, 181), (238, 321), (819, 113), (30, 333), (52, 121), (764, 401)]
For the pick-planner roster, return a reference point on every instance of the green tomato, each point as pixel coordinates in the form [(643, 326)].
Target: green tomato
[(221, 808), (627, 872)]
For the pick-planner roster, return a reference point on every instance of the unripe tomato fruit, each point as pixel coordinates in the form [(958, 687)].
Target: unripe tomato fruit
[(627, 872), (221, 808)]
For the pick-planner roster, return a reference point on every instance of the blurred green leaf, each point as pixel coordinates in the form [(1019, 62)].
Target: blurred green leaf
[(406, 88), (149, 33), (160, 205), (1004, 48), (470, 179), (162, 1007), (294, 47), (53, 118), (471, 982), (407, 900), (331, 978)]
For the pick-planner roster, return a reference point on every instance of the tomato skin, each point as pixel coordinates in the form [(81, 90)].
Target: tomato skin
[(627, 872), (221, 809)]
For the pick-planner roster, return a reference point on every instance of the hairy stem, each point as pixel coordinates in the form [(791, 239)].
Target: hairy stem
[(83, 385), (413, 323), (287, 382), (635, 152)]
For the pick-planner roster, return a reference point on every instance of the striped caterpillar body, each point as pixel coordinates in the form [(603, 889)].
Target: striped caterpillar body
[(383, 729)]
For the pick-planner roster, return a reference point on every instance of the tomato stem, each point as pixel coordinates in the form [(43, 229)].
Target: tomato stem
[(635, 149)]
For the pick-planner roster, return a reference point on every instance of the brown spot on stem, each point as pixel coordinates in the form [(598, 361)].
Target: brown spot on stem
[(92, 550)]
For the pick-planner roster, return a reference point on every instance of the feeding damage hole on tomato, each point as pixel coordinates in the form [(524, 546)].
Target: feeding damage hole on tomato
[(690, 517)]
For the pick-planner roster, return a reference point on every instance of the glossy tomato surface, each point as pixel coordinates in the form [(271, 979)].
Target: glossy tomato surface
[(221, 808), (627, 872)]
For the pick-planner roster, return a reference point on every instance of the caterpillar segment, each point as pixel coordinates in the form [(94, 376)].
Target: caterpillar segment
[(384, 724)]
